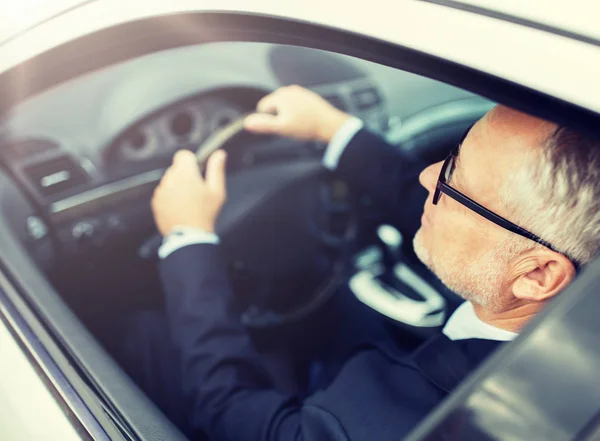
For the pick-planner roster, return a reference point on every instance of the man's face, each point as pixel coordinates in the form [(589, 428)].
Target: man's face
[(467, 252)]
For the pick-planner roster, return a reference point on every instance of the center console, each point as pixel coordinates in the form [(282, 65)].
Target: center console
[(390, 286)]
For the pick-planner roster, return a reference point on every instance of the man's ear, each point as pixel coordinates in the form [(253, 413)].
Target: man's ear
[(541, 274)]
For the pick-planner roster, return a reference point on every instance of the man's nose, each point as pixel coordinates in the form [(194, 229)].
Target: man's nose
[(429, 176)]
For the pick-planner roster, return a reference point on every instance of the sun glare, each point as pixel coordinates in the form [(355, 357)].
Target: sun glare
[(18, 10), (17, 15)]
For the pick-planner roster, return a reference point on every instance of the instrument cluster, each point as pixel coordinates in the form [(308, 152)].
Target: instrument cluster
[(184, 125)]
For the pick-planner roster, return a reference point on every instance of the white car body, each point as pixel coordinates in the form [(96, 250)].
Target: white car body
[(531, 57), (514, 41), (27, 408)]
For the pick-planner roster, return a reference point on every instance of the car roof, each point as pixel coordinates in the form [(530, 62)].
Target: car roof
[(554, 63), (579, 17)]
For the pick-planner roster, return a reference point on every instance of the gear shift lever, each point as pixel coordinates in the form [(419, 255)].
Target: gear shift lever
[(394, 289), (391, 241)]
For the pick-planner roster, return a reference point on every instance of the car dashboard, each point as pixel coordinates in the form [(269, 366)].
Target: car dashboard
[(81, 160)]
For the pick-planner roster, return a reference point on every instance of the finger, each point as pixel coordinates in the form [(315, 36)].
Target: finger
[(262, 123), (215, 173), (186, 159), (269, 103), (166, 179), (168, 172), (186, 162)]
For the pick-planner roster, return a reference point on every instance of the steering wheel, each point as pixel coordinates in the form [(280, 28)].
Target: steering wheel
[(281, 267)]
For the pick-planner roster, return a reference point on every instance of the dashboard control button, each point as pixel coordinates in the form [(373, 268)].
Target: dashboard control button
[(83, 231), (366, 98), (36, 228), (115, 224)]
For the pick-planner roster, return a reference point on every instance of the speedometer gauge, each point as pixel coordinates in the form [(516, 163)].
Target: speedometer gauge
[(183, 126), (139, 144)]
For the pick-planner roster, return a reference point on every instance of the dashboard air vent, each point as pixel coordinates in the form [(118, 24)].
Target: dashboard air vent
[(56, 175), (336, 101), (367, 98)]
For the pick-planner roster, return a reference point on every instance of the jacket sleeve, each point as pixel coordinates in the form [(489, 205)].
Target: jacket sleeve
[(233, 396), (387, 177)]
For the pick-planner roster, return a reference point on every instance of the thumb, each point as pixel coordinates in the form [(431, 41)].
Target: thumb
[(215, 173), (186, 159), (262, 123)]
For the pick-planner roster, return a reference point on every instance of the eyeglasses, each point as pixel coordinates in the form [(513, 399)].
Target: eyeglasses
[(443, 187)]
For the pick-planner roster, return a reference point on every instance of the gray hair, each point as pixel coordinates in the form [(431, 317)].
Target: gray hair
[(562, 200)]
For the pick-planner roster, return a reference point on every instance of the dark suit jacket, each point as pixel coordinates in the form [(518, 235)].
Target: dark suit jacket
[(378, 395)]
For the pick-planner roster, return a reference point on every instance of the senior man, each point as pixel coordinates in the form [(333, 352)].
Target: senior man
[(508, 219)]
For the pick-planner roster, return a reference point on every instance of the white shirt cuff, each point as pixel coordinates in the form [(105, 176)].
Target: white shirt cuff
[(340, 141), (182, 236)]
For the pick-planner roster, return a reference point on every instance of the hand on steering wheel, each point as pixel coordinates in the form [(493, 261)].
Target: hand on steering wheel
[(184, 198), (267, 229), (298, 113)]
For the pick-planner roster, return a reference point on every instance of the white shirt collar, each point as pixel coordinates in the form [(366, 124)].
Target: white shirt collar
[(464, 324)]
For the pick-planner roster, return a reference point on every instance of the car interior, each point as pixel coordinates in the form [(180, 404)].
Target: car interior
[(80, 162)]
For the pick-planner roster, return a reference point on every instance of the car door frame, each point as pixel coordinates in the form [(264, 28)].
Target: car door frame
[(81, 360)]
